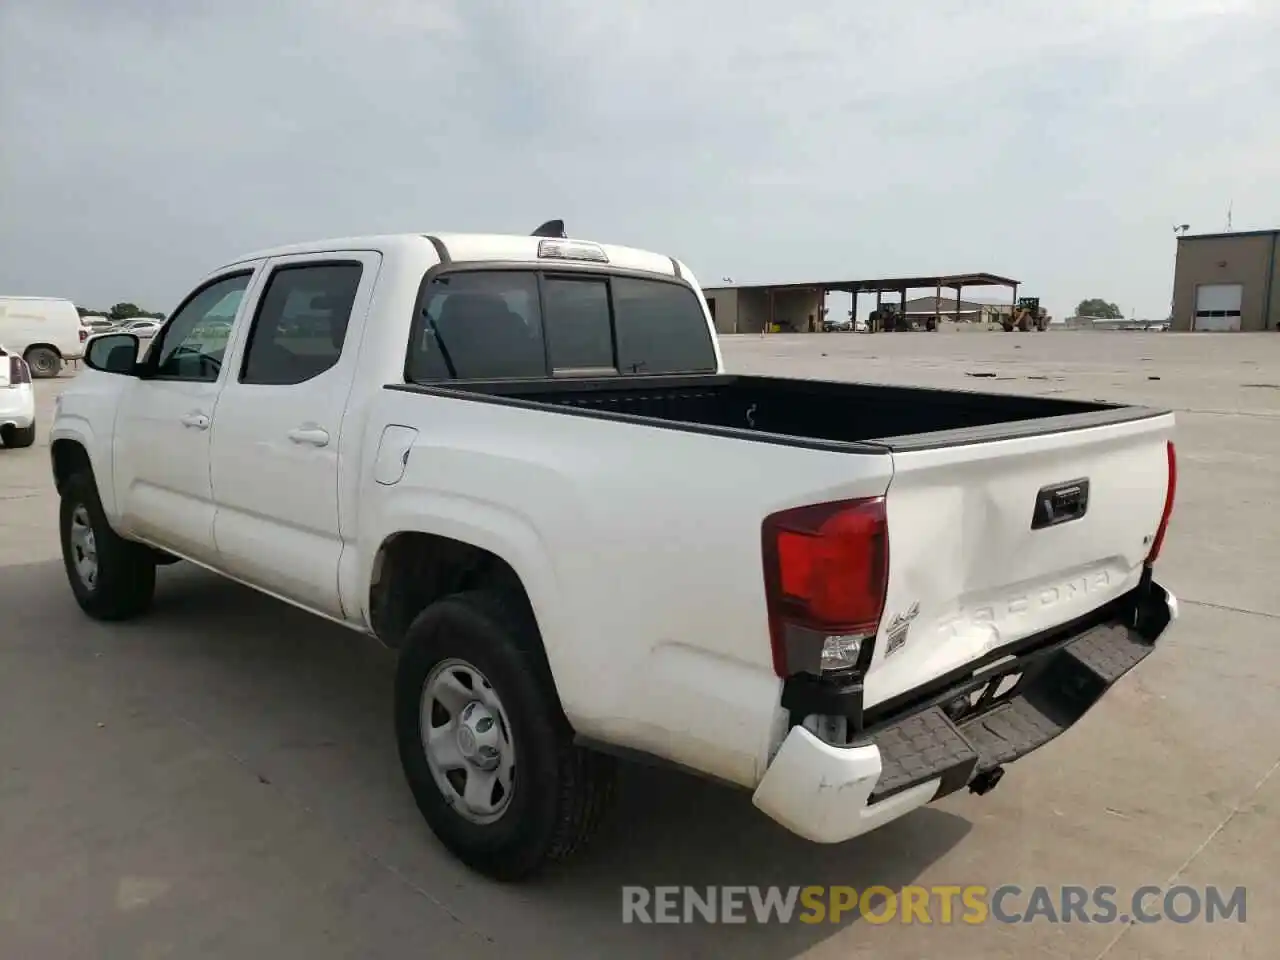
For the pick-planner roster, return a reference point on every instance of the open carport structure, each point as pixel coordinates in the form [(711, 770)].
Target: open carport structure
[(798, 307)]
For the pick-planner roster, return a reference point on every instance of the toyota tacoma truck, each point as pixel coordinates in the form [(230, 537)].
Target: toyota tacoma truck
[(519, 462)]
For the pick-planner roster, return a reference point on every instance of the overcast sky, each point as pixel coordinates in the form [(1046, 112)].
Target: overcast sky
[(144, 142)]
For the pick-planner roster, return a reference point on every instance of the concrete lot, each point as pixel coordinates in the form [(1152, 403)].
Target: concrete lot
[(219, 780)]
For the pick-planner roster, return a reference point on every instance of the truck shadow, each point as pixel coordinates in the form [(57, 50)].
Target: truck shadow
[(305, 707)]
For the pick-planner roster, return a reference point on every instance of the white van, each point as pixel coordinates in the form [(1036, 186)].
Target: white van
[(44, 331)]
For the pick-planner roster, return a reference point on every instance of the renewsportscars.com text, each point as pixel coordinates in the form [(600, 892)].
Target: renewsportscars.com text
[(933, 904)]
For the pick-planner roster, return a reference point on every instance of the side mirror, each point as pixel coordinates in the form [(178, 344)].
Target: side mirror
[(112, 353)]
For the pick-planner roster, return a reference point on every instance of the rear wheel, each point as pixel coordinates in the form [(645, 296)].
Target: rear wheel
[(485, 747), (112, 578), (12, 436), (45, 362)]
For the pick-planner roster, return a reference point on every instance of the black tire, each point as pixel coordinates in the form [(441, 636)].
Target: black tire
[(125, 581), (18, 437), (45, 362), (560, 792)]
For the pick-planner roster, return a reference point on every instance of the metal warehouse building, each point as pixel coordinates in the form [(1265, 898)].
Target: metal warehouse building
[(800, 307), (1227, 281)]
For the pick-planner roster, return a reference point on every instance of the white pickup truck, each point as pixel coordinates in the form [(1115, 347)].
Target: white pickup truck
[(519, 462)]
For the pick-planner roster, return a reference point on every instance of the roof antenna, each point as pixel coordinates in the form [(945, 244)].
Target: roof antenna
[(552, 228)]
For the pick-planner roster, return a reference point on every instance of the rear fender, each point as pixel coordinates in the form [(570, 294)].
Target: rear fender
[(501, 532)]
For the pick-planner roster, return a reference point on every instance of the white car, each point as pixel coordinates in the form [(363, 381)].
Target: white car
[(17, 402), (97, 324), (143, 327), (519, 462)]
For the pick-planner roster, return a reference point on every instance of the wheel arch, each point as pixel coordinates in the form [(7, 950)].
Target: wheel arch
[(412, 569), (40, 344), (69, 455)]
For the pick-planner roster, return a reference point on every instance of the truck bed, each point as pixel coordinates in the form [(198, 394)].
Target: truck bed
[(809, 412)]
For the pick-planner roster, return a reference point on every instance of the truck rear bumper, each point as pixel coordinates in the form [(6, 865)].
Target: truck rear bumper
[(960, 736)]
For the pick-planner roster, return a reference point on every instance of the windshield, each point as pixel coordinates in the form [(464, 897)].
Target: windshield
[(523, 324)]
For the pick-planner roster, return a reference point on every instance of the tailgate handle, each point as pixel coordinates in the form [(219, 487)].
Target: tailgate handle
[(1060, 503)]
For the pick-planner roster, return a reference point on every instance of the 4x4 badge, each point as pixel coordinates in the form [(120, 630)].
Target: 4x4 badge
[(899, 627)]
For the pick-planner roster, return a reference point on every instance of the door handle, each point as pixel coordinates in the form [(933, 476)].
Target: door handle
[(312, 435), (196, 420)]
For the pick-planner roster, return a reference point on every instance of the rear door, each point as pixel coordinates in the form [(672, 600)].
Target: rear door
[(991, 543), (275, 442)]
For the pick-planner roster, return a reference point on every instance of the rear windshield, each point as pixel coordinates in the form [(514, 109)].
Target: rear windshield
[(526, 324)]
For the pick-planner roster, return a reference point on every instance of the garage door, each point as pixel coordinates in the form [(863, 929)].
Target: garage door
[(1218, 306)]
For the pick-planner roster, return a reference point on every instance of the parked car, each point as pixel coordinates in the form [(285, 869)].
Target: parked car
[(144, 329), (44, 331), (519, 462), (97, 324), (17, 402)]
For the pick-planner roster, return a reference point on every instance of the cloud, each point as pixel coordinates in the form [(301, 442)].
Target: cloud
[(1056, 143)]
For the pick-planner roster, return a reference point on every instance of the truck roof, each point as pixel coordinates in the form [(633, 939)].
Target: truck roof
[(472, 247)]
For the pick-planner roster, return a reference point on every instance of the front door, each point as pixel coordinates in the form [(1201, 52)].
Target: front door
[(275, 444), (161, 462)]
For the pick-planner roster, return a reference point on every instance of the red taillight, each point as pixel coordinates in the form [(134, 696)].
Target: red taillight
[(18, 372), (84, 334), (1169, 494), (826, 568)]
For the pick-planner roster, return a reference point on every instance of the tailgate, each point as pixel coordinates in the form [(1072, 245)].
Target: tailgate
[(990, 543)]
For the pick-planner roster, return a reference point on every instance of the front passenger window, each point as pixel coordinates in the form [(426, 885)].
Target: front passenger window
[(194, 341), (301, 323)]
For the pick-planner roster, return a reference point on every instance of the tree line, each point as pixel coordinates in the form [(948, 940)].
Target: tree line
[(120, 312), (1099, 309)]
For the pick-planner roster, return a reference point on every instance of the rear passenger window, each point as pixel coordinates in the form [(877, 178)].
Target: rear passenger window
[(301, 323), (660, 328), (578, 331), (509, 324), (478, 325)]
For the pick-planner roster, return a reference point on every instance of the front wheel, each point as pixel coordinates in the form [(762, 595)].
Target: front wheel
[(485, 747), (45, 363), (112, 578)]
